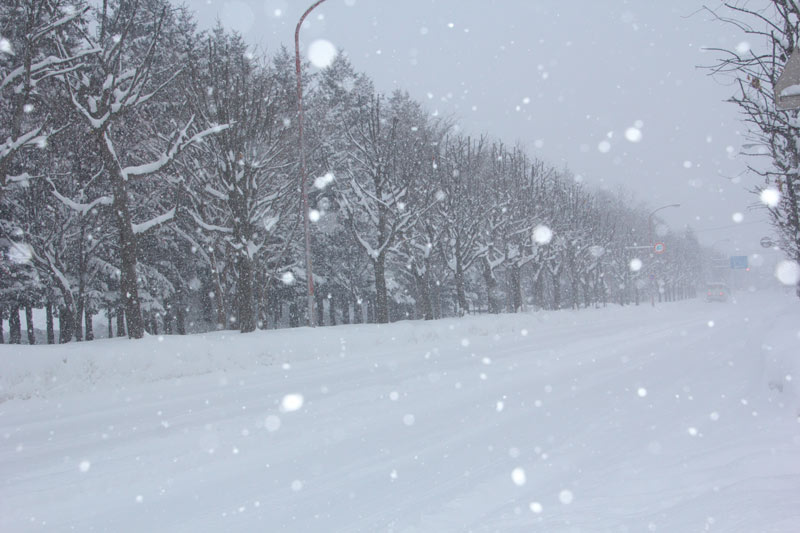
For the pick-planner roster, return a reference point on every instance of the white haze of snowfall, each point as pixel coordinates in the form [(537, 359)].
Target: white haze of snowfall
[(679, 417)]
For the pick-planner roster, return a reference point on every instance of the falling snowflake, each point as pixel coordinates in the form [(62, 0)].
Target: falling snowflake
[(565, 496), (272, 423), (287, 278), (770, 197), (788, 272), (323, 181), (633, 134), (635, 264), (291, 402), (542, 234), (321, 53), (518, 477)]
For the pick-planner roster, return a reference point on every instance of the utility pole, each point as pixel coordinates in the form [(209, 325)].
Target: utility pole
[(303, 176)]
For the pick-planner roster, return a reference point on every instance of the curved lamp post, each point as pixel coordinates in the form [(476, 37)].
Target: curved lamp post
[(652, 244), (303, 177)]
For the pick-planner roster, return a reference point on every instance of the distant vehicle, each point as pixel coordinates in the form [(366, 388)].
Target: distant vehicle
[(717, 292)]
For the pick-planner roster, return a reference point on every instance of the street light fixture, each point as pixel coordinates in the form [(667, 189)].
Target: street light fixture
[(303, 177), (652, 244)]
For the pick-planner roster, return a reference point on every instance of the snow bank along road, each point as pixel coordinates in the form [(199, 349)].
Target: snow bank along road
[(682, 417)]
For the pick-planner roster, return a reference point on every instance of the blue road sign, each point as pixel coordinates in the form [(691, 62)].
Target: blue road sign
[(738, 262)]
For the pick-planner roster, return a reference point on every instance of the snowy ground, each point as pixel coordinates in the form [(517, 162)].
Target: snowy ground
[(678, 418)]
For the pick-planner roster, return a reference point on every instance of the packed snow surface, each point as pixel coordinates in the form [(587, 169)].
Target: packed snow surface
[(618, 419)]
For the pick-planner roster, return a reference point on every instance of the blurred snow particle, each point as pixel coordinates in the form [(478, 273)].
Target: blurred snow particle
[(139, 498), (28, 108), (272, 423), (464, 342), (499, 406), (788, 272), (287, 278), (349, 3), (321, 53), (635, 264), (423, 30), (711, 323), (5, 46), (714, 416), (770, 197), (692, 431), (633, 135), (297, 485), (542, 234), (518, 477), (536, 507), (743, 47), (84, 466), (565, 496), (604, 147), (393, 474), (408, 419), (291, 402), (538, 143), (737, 217), (394, 396), (524, 332), (642, 392), (323, 181), (597, 251), (687, 164), (313, 215)]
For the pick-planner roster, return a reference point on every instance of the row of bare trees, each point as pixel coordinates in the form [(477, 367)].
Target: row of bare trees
[(773, 30), (150, 173)]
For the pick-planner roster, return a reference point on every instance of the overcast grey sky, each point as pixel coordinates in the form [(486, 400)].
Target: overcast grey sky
[(561, 78)]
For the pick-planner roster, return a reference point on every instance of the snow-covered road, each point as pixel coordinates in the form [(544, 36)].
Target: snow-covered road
[(682, 417)]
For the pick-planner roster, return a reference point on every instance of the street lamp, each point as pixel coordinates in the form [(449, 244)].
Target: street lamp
[(303, 177), (652, 244)]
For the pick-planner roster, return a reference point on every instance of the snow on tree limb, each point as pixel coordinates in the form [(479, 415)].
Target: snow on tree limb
[(154, 223), (179, 144)]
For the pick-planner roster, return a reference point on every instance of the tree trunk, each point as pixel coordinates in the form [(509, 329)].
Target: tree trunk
[(381, 296), (294, 315), (110, 329), (460, 293), (2, 338), (425, 309), (244, 294), (120, 322), (89, 326), (180, 317), (491, 288), (516, 288), (51, 334), (332, 308), (29, 324), (556, 291), (14, 331), (128, 287), (319, 306), (66, 322), (79, 317)]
